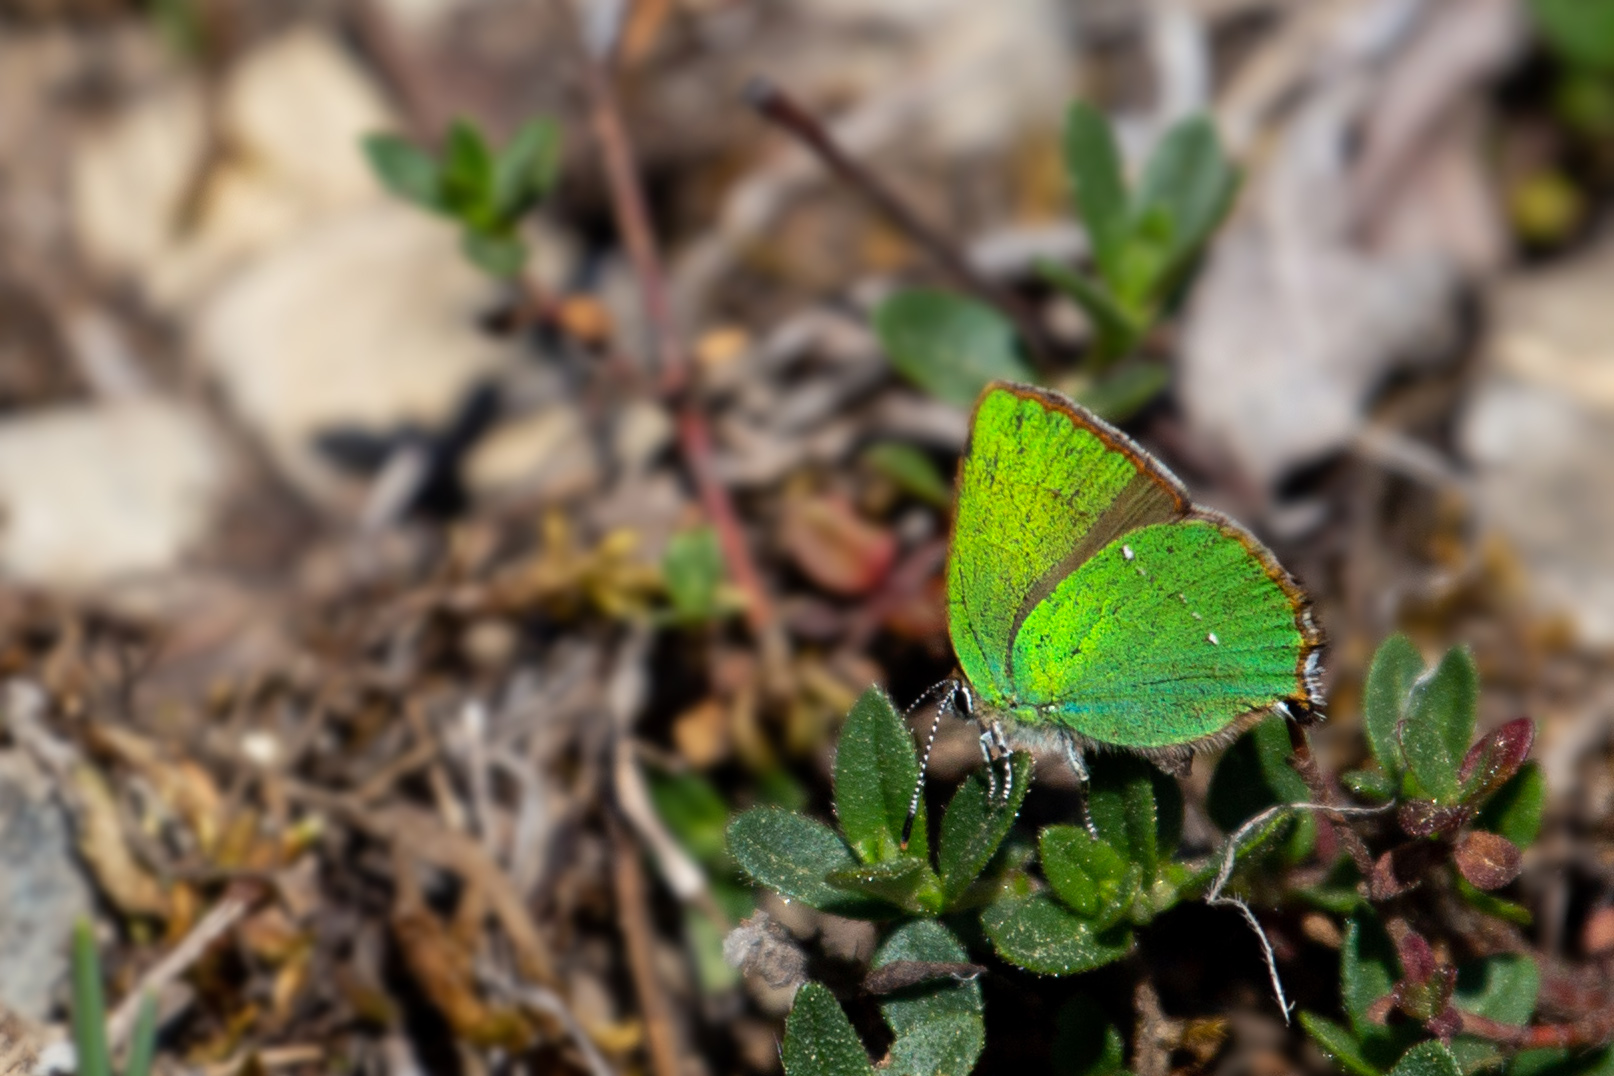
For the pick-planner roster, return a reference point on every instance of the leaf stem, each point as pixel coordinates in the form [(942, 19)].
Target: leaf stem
[(1322, 791), (778, 107)]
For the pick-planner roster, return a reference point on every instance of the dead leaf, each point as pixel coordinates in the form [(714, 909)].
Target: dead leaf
[(833, 546), (446, 973), (101, 841)]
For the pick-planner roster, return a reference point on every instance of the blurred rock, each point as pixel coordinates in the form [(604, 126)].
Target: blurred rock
[(368, 323), (41, 889), (90, 493), (1539, 431), (155, 199), (545, 455)]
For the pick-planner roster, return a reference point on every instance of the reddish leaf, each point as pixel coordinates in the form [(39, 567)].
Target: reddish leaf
[(1424, 990), (1401, 869), (1492, 761), (1418, 963), (1597, 937), (1487, 860), (833, 546), (1421, 818), (1448, 1023)]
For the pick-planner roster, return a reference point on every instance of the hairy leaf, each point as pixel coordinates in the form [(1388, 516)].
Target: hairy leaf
[(948, 346), (1440, 723), (976, 824), (938, 1025), (875, 777), (1396, 667), (819, 1040), (1041, 935), (792, 854)]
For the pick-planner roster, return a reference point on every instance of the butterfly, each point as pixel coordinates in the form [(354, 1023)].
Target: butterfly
[(1092, 605)]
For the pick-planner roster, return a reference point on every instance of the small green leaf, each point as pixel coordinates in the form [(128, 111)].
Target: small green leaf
[(1501, 988), (1440, 723), (693, 810), (1581, 30), (975, 824), (1515, 810), (1396, 667), (1088, 875), (1115, 331), (1093, 164), (907, 883), (875, 777), (693, 569), (89, 1004), (526, 170), (912, 471), (1085, 1042), (1368, 969), (1136, 809), (819, 1040), (938, 1025), (1339, 1044), (1427, 1059), (501, 256), (1190, 182), (1039, 934), (143, 1040), (467, 177), (949, 346), (792, 854), (1255, 774), (1369, 784), (1493, 905), (405, 170)]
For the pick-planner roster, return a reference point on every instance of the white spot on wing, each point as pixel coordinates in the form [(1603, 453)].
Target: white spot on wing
[(1282, 707), (1213, 640), (1126, 551)]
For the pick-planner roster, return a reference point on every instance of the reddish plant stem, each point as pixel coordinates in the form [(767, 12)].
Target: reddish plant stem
[(694, 432), (785, 112), (1592, 1031), (1305, 764)]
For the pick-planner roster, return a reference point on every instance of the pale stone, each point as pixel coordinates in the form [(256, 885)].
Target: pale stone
[(547, 454)]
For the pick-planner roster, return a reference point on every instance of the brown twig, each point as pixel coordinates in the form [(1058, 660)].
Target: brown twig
[(784, 111), (1305, 764), (694, 433), (633, 918)]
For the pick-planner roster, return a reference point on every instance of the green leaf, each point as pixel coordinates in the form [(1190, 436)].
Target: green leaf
[(1581, 30), (143, 1040), (1396, 667), (1039, 934), (405, 170), (1085, 1042), (938, 1025), (693, 810), (1190, 182), (467, 177), (501, 256), (975, 824), (1427, 1059), (1255, 774), (89, 1004), (1339, 1044), (693, 569), (1136, 809), (1515, 810), (948, 346), (1116, 332), (1124, 391), (819, 1040), (1493, 905), (1093, 163), (1501, 988), (907, 883), (792, 854), (705, 943), (1372, 784), (1088, 875), (912, 471), (1368, 969), (1440, 724), (526, 170), (1560, 1062), (875, 777)]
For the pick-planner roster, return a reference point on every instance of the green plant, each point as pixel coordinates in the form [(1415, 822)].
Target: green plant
[(1144, 239), (1453, 812), (485, 192), (89, 1015)]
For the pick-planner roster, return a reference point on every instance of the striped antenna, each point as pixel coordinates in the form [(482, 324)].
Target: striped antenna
[(950, 688)]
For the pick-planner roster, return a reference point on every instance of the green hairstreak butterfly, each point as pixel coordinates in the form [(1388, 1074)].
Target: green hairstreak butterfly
[(1091, 604)]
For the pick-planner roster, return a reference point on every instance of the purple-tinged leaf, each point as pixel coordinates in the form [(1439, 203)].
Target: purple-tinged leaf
[(1493, 761), (1421, 818), (1486, 860)]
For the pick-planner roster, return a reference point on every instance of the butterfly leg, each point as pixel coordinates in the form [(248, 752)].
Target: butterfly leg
[(1078, 764), (991, 766), (995, 748)]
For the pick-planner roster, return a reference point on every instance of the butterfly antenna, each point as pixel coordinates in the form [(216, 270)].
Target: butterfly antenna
[(924, 758)]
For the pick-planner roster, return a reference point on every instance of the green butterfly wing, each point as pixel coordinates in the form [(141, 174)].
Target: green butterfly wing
[(1085, 590)]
